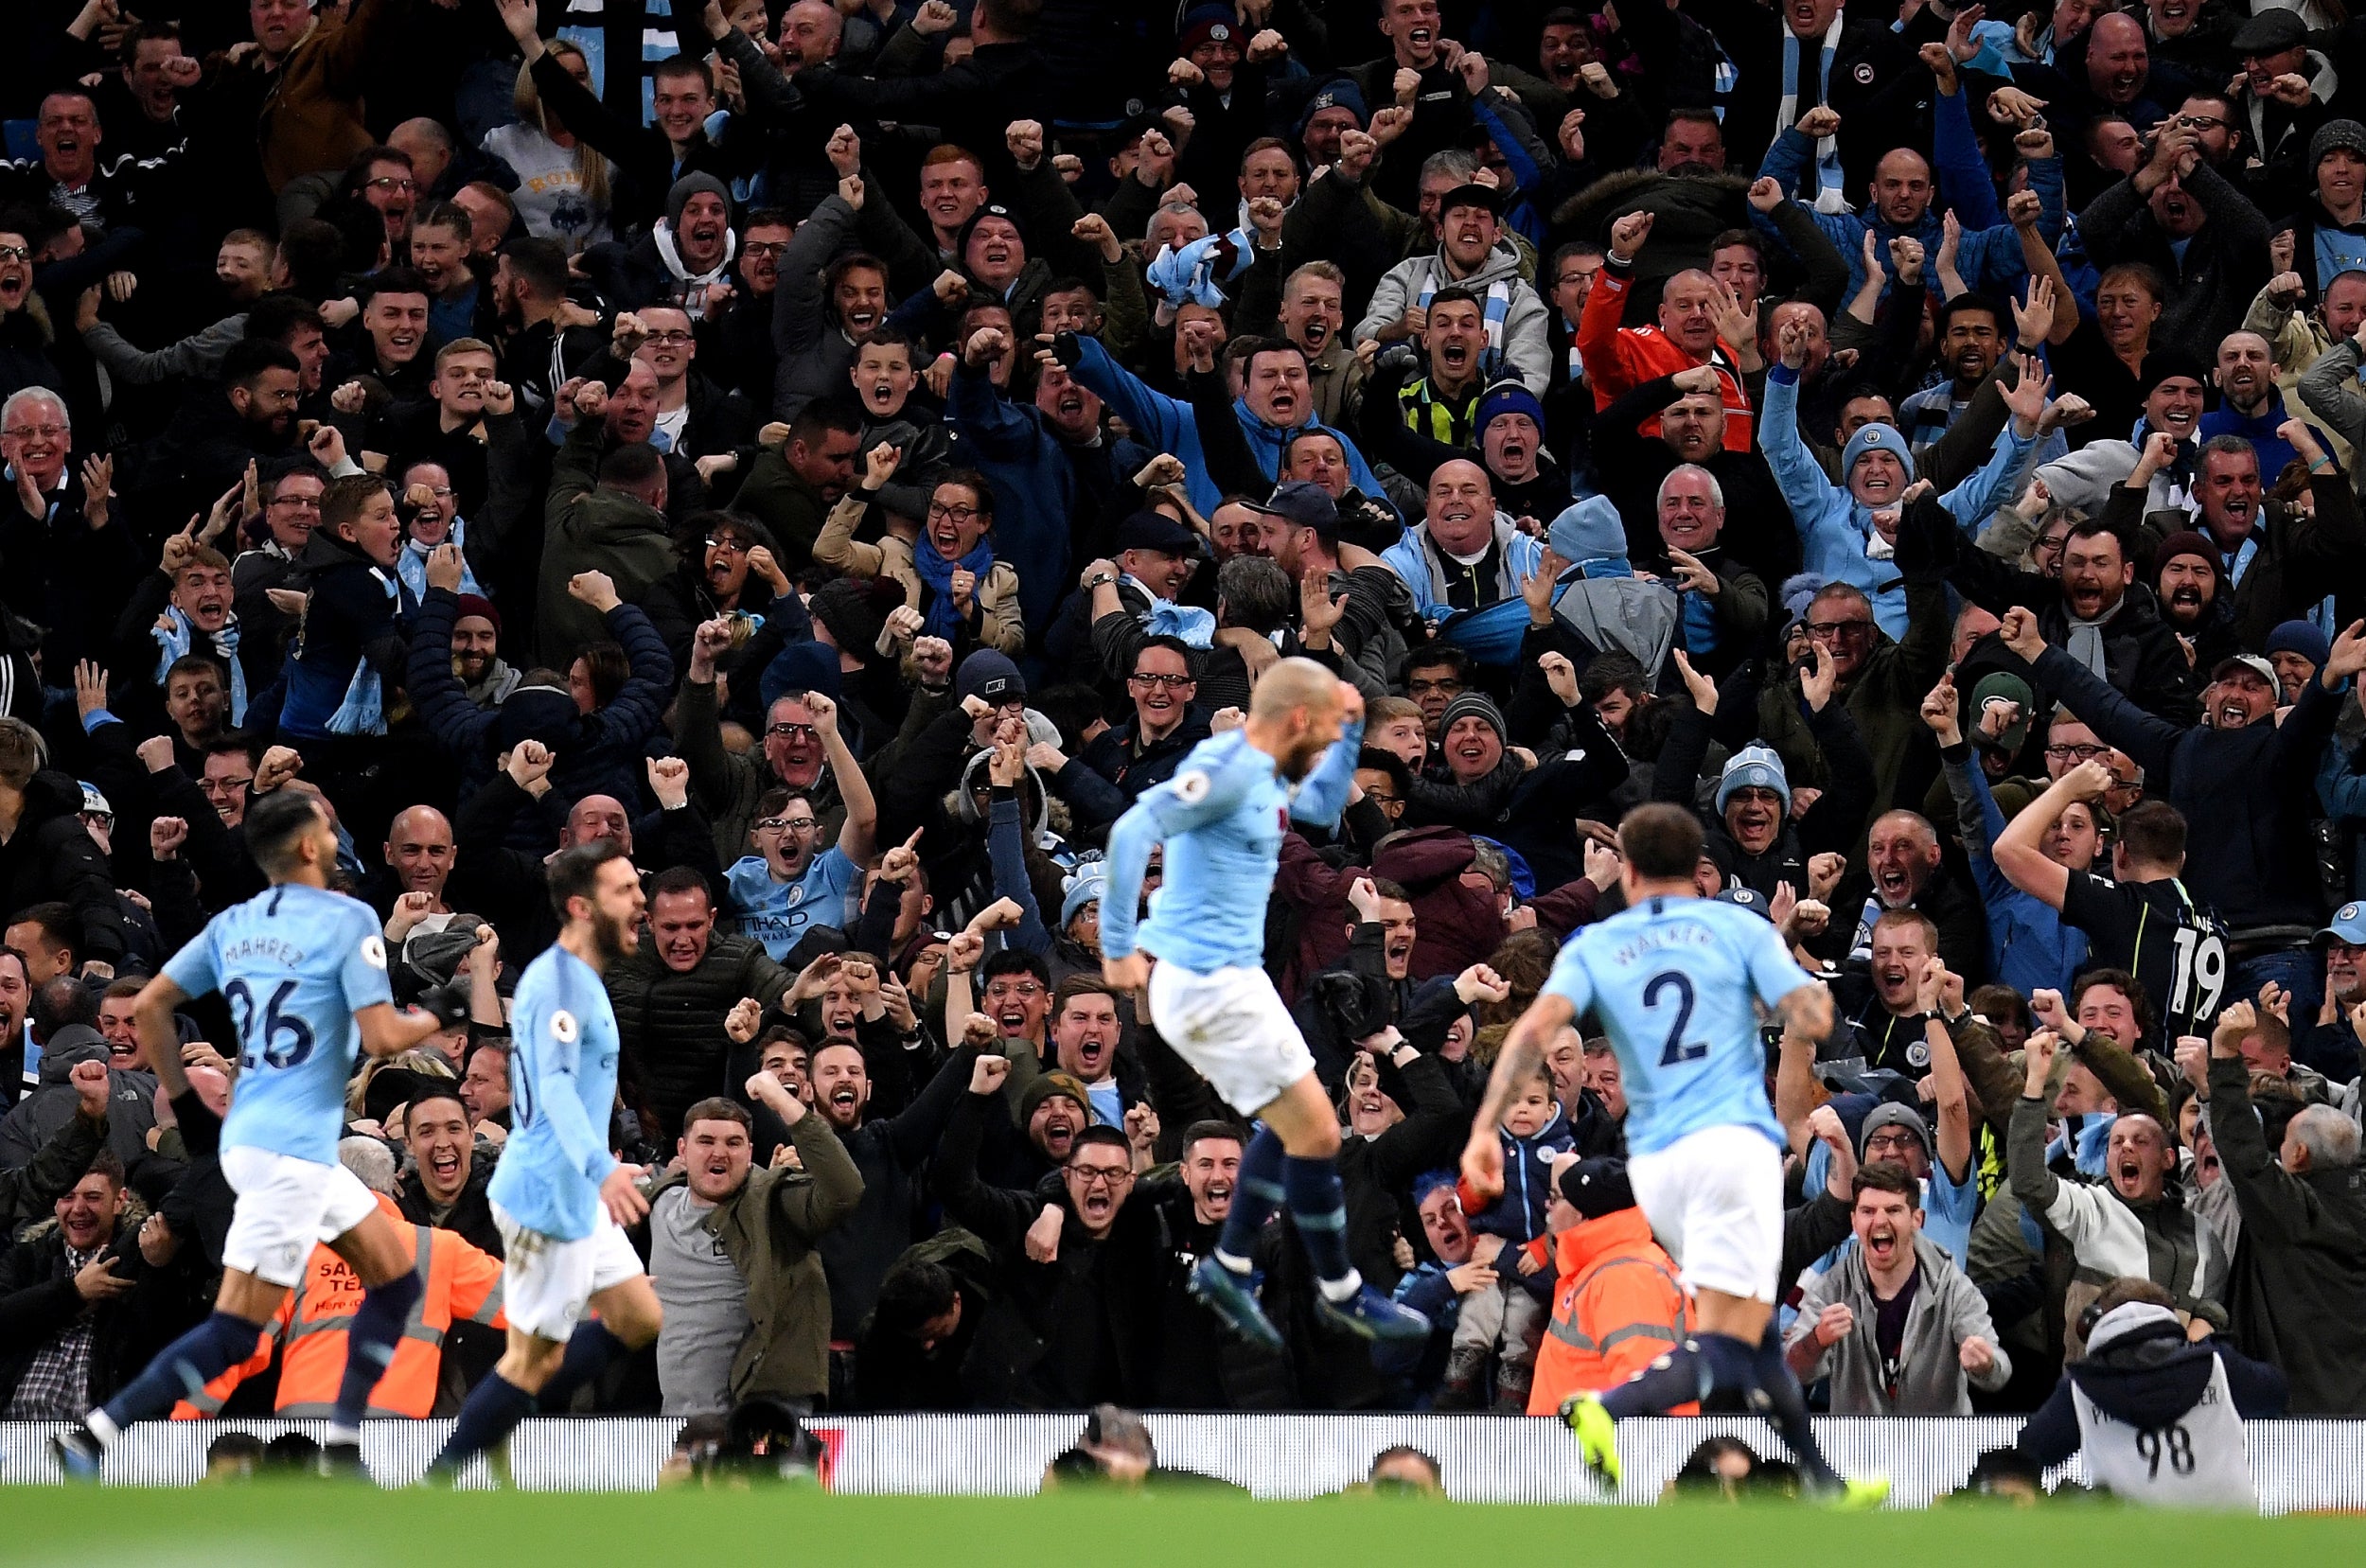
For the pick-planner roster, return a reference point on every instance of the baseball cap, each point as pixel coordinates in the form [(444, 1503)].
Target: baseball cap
[(1470, 195), (2003, 687), (1147, 530), (1301, 501), (1746, 898), (2348, 925), (2250, 662)]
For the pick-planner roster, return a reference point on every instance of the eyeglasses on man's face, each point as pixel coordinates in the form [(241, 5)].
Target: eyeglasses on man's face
[(1089, 1176)]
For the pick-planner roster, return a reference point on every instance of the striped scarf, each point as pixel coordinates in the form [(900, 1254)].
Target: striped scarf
[(1828, 180), (176, 639), (1498, 310), (363, 709)]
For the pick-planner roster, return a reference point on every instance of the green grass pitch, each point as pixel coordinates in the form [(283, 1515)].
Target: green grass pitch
[(299, 1526)]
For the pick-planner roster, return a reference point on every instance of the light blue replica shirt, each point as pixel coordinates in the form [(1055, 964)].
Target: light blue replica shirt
[(777, 913)]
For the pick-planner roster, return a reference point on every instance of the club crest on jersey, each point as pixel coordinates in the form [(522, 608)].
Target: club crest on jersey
[(1192, 787), (374, 950), (1918, 1054), (564, 1027)]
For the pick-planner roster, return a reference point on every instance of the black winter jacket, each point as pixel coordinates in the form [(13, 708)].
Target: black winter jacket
[(671, 1024), (2299, 1274), (50, 856)]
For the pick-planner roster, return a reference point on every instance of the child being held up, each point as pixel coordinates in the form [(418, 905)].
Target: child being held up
[(1507, 1318)]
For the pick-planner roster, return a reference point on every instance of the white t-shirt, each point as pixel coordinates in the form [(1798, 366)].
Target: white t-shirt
[(550, 195)]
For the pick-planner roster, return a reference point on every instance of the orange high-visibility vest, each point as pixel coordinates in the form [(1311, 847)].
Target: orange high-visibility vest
[(459, 1282), (1618, 1308)]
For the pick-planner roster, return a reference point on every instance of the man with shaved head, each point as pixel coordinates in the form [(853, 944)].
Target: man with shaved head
[(506, 885), (1618, 359), (1463, 554), (2249, 403), (419, 857)]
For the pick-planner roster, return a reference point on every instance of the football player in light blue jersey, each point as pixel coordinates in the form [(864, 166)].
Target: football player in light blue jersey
[(1677, 982), (560, 1197), (1221, 819), (792, 881), (304, 973)]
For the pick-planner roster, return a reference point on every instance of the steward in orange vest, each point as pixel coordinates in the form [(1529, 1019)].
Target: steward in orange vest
[(1617, 1305), (459, 1282)]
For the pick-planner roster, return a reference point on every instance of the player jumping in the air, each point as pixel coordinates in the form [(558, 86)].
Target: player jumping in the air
[(560, 1198), (1673, 977), (304, 973), (1221, 819)]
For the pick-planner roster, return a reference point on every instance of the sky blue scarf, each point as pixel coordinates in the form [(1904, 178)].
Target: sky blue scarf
[(936, 573)]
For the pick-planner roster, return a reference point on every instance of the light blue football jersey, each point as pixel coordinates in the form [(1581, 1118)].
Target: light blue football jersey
[(1221, 819), (1673, 982), (562, 1084), (295, 963), (777, 913)]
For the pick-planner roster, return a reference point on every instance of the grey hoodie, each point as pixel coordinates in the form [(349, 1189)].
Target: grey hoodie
[(1525, 343), (1947, 1310)]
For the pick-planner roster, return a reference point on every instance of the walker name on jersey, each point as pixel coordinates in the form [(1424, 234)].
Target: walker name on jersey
[(1661, 936)]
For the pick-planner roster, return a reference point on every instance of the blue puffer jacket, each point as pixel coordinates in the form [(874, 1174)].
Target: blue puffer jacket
[(1835, 528), (1519, 1214)]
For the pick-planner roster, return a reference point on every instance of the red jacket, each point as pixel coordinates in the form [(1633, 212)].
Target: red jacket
[(1617, 1307), (1619, 359)]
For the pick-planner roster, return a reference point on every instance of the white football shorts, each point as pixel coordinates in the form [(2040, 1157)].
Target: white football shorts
[(1715, 1200), (546, 1283), (1230, 1025), (285, 1206)]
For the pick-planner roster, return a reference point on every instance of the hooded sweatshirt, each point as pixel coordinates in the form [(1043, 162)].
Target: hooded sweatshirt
[(2140, 1378)]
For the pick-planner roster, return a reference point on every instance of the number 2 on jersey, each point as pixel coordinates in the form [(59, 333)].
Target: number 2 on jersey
[(1678, 1050), (268, 1037)]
